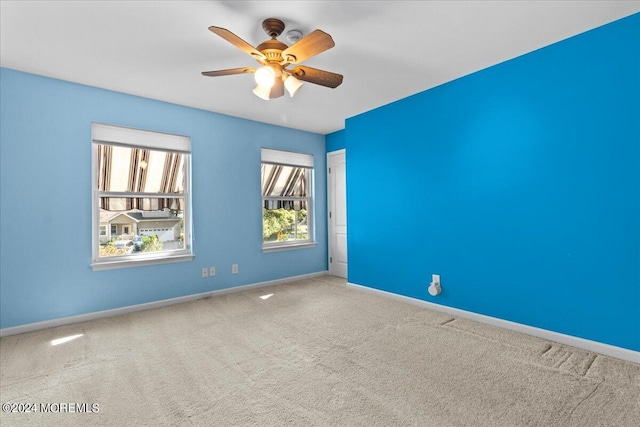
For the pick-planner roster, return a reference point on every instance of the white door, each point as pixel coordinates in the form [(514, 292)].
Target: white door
[(337, 189)]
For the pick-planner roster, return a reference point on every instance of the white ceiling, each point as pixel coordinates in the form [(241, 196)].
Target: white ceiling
[(386, 50)]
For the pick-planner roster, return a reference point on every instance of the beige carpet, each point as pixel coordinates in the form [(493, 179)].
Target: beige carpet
[(314, 353)]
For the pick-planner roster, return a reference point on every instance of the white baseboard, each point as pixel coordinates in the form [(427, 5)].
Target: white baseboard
[(594, 346), (146, 306)]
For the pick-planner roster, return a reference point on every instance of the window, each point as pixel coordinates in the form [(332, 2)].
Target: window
[(287, 202), (140, 179)]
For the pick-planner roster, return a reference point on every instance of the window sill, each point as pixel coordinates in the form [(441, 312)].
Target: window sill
[(279, 248), (122, 263)]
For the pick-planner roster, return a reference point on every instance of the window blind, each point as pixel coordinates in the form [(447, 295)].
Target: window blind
[(287, 158), (117, 135)]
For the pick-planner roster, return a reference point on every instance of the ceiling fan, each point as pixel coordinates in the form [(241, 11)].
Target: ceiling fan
[(274, 57)]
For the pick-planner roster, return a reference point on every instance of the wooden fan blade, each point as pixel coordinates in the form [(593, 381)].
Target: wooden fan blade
[(237, 42), (319, 77), (229, 72), (310, 45)]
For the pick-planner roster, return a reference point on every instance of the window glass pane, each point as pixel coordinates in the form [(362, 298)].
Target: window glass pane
[(126, 169), (279, 180), (284, 225), (142, 232)]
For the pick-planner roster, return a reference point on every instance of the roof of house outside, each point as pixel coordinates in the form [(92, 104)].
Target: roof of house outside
[(139, 216), (107, 216)]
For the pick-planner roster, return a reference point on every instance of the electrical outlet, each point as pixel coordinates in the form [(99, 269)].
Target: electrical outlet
[(205, 272), (212, 271), (234, 269)]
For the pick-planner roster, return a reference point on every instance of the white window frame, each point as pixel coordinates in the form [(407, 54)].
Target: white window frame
[(137, 138), (289, 158)]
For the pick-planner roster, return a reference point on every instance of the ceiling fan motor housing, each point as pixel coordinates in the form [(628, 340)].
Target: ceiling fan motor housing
[(272, 49), (273, 27)]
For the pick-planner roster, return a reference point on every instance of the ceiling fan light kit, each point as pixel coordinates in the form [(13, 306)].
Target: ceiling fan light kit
[(292, 85), (274, 56)]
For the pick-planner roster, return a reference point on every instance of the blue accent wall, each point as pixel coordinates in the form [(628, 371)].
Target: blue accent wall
[(335, 141), (45, 200), (519, 184)]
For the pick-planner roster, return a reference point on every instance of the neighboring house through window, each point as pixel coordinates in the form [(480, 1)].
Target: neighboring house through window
[(141, 196), (287, 201)]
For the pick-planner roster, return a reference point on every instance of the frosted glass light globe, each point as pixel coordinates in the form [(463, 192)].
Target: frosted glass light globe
[(292, 84), (265, 77)]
